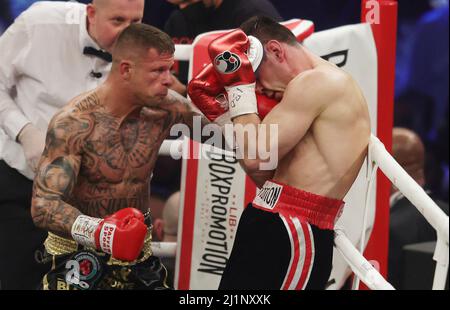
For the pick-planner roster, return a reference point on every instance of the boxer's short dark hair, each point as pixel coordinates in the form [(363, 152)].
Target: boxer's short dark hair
[(143, 36), (266, 29)]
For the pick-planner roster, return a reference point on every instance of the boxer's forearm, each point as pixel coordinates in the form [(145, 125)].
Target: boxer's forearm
[(197, 124), (54, 215), (55, 181), (49, 211), (246, 129), (194, 120), (250, 164)]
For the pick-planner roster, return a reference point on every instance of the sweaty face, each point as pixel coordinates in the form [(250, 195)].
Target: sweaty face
[(151, 76), (108, 19)]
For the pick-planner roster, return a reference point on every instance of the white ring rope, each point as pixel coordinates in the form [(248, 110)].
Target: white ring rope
[(360, 266), (171, 148), (409, 188), (164, 249), (424, 204), (378, 156), (183, 52), (362, 243)]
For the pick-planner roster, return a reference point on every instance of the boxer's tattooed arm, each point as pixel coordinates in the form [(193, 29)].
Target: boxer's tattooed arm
[(57, 175), (171, 111), (183, 113), (49, 210)]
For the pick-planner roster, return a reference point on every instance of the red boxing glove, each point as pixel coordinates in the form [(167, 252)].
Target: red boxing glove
[(209, 96), (235, 56), (265, 105), (228, 54), (122, 234)]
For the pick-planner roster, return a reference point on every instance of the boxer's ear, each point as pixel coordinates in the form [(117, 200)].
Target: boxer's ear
[(275, 49), (125, 68)]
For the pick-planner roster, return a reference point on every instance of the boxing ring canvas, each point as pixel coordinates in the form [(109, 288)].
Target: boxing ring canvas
[(215, 191)]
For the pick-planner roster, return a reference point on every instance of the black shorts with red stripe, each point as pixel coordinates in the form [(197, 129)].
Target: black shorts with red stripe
[(278, 248)]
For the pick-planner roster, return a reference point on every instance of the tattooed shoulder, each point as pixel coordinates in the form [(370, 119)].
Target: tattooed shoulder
[(67, 130), (87, 102)]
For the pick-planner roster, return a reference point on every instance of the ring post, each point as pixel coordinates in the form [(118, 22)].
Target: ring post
[(382, 15)]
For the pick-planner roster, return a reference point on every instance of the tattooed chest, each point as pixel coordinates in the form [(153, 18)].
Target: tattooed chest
[(102, 199), (117, 153)]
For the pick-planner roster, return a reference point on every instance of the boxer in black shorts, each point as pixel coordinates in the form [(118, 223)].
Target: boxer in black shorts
[(91, 189), (285, 238), (287, 233), (75, 267)]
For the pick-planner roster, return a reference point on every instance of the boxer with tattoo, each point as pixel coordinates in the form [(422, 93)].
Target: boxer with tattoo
[(91, 190)]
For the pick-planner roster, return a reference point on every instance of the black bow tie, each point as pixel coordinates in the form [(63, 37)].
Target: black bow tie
[(88, 50)]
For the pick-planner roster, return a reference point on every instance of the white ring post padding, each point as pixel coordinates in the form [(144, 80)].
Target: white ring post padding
[(171, 147), (360, 266), (164, 249), (417, 196), (183, 52)]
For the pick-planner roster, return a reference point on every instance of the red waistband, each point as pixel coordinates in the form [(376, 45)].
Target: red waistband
[(317, 210)]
